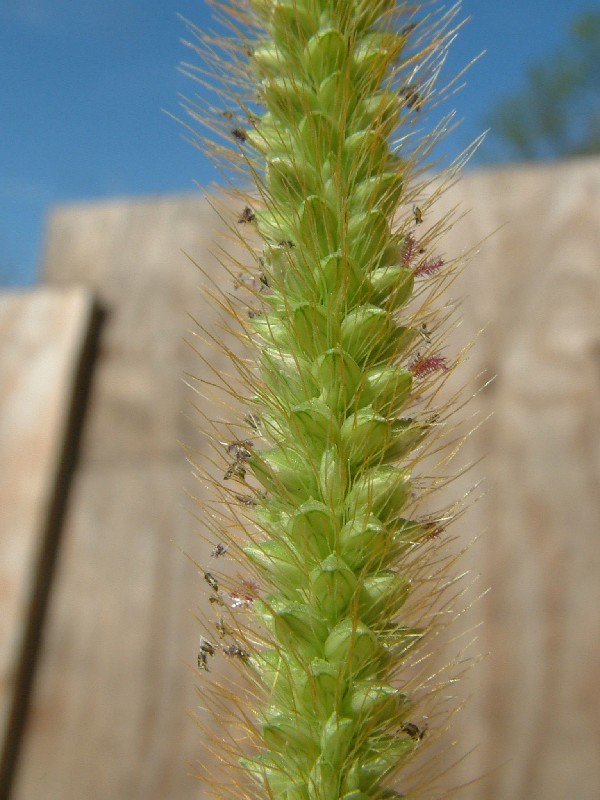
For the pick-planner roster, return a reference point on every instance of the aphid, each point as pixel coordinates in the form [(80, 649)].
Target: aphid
[(263, 279), (226, 114), (417, 215), (222, 629), (239, 134), (413, 730), (287, 243), (235, 651), (247, 215), (240, 450), (219, 550), (212, 581)]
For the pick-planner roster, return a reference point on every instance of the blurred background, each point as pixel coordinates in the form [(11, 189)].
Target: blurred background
[(99, 212)]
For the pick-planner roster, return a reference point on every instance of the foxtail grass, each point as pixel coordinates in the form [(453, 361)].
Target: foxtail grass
[(334, 433)]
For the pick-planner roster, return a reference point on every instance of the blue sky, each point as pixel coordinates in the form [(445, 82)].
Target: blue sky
[(84, 83)]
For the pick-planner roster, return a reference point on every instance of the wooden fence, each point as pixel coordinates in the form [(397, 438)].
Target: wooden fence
[(110, 661)]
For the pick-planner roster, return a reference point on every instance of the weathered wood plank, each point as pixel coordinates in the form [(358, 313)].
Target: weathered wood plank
[(111, 711), (45, 334), (122, 627), (535, 287)]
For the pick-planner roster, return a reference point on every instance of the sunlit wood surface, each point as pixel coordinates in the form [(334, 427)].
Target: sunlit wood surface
[(114, 690), (44, 334), (535, 287)]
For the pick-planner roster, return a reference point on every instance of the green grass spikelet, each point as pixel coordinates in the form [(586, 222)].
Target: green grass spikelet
[(344, 335)]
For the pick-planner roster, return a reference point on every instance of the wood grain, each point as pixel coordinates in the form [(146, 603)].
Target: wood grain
[(111, 714), (45, 334), (535, 288), (112, 696)]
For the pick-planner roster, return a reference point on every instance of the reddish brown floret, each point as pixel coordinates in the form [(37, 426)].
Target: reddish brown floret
[(409, 250), (422, 366), (429, 267)]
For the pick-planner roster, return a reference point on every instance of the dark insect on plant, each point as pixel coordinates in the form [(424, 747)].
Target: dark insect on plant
[(413, 730), (219, 550), (212, 581), (239, 134), (247, 215), (205, 650)]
